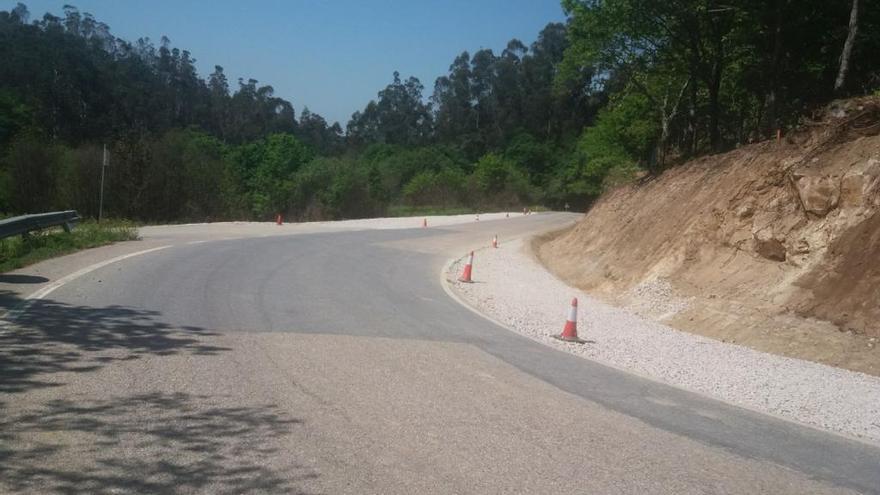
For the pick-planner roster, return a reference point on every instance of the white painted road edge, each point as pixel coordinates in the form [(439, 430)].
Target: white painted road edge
[(13, 314)]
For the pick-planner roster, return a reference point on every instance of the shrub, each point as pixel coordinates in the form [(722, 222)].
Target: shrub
[(497, 181), (444, 188)]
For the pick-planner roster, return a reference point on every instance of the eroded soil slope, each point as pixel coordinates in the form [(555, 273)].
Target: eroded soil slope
[(775, 245)]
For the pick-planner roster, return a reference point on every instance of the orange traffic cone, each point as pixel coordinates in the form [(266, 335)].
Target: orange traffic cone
[(468, 268), (425, 223), (570, 332), (278, 219), (495, 242)]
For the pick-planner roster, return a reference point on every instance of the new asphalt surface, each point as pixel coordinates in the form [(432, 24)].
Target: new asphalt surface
[(332, 361)]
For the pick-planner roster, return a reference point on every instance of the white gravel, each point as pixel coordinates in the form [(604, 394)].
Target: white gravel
[(655, 299), (412, 222), (384, 223), (517, 291)]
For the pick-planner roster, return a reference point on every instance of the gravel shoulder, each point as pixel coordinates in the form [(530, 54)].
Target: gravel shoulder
[(258, 229), (511, 287)]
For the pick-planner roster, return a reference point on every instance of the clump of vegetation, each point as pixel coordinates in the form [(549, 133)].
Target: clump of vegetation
[(18, 251)]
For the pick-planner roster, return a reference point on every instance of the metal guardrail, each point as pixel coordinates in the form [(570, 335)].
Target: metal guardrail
[(27, 223)]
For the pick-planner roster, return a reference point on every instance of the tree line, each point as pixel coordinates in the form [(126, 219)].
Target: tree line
[(622, 88)]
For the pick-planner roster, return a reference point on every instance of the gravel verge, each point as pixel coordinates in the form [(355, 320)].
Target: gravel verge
[(382, 223), (517, 291), (414, 222)]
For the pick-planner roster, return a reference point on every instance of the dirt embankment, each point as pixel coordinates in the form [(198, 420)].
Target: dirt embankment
[(774, 245)]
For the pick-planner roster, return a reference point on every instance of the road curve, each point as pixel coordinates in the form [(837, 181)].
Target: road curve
[(334, 362)]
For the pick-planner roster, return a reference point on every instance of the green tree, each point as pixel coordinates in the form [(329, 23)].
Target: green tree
[(334, 188), (445, 188), (398, 117), (267, 169), (499, 181)]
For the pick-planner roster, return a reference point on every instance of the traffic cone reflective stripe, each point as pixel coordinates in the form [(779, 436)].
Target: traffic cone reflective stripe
[(468, 268), (495, 242)]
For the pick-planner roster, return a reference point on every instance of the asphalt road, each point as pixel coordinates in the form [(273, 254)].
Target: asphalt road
[(334, 362)]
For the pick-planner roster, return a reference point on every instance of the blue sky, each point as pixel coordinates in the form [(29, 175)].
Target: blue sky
[(332, 56)]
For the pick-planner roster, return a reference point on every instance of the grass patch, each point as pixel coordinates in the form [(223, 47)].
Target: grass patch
[(16, 252)]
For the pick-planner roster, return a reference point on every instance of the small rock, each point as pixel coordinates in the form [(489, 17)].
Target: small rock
[(769, 246), (802, 247), (819, 194), (745, 211)]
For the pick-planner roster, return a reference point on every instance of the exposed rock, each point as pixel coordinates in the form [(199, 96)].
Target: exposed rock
[(818, 193), (861, 185), (768, 246)]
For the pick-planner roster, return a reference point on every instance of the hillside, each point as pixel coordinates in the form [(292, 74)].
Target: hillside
[(774, 245)]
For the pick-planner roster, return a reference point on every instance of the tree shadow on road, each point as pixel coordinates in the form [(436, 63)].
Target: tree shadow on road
[(12, 278), (149, 443), (51, 338), (152, 442)]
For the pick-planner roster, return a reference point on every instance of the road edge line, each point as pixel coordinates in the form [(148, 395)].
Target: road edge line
[(13, 314)]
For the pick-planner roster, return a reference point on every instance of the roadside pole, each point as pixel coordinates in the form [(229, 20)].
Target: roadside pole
[(101, 196)]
